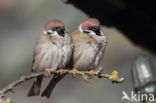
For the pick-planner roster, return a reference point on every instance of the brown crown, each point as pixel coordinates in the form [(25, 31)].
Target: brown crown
[(52, 24), (91, 22)]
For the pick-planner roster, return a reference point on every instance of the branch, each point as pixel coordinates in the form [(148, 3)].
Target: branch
[(85, 75)]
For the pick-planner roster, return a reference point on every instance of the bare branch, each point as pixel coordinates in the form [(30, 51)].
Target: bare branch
[(85, 75)]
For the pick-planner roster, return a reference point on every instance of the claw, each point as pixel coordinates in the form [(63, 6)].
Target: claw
[(48, 70), (61, 71), (74, 72), (92, 73)]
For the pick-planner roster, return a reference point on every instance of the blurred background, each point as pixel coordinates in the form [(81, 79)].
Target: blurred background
[(22, 21)]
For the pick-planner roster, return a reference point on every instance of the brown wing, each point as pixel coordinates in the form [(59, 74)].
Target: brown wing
[(80, 41), (37, 56)]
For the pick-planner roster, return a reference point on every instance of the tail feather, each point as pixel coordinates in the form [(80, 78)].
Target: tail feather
[(47, 92), (35, 88)]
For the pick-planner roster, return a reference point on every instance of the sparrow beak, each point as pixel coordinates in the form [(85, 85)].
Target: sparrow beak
[(61, 31)]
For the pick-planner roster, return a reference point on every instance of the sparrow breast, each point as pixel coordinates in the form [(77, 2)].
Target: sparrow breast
[(52, 52)]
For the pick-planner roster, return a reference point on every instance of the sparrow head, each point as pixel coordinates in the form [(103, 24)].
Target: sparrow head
[(91, 26), (54, 27)]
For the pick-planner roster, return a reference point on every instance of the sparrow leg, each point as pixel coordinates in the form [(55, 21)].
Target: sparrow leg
[(48, 70), (92, 73), (74, 72), (60, 71)]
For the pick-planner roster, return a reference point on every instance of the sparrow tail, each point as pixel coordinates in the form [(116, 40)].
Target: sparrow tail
[(47, 92), (35, 88)]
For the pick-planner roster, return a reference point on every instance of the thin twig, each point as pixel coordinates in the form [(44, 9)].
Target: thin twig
[(113, 77)]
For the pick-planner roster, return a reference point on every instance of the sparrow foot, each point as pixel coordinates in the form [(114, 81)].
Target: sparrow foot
[(92, 73), (60, 71), (48, 70), (74, 72)]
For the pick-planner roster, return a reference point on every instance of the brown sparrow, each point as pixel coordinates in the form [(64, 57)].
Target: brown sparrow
[(89, 43), (53, 50)]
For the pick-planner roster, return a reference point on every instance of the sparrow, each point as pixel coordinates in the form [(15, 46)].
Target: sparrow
[(52, 51), (89, 44)]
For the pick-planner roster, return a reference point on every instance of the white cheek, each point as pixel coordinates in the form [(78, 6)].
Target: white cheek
[(92, 33), (44, 32), (48, 32), (54, 33), (80, 29)]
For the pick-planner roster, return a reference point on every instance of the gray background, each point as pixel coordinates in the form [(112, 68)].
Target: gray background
[(22, 21)]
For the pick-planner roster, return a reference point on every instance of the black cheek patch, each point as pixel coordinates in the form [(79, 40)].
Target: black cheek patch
[(96, 30), (98, 33)]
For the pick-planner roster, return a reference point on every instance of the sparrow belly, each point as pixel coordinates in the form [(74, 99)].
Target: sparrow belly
[(67, 52), (85, 58), (52, 57)]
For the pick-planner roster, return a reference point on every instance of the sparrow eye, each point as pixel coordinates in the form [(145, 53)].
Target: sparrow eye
[(86, 31), (48, 33)]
